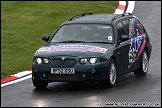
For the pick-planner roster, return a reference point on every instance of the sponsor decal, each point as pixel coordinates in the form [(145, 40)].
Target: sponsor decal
[(136, 48), (109, 38), (138, 40), (135, 27), (71, 47)]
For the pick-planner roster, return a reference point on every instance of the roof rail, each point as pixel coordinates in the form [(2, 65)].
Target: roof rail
[(120, 15), (78, 16)]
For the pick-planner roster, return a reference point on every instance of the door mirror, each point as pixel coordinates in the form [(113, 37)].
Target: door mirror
[(124, 37), (45, 38)]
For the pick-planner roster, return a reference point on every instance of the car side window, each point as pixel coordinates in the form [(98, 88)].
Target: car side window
[(126, 26), (136, 28), (120, 29), (123, 28)]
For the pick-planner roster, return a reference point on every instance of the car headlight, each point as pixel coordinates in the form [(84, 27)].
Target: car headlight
[(39, 60), (93, 60), (83, 61), (45, 60)]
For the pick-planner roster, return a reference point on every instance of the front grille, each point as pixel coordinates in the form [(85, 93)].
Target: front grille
[(63, 77), (69, 62), (65, 62), (57, 62)]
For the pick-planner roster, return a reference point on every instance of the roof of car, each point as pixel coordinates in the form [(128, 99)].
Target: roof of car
[(92, 18)]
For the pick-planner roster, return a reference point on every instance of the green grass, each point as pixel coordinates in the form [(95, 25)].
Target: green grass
[(24, 22)]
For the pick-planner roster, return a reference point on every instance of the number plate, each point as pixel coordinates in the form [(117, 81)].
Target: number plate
[(62, 71)]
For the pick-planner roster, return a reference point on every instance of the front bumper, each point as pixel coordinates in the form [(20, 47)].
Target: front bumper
[(82, 73)]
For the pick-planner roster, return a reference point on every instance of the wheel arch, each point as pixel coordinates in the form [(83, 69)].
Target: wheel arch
[(147, 50), (113, 57)]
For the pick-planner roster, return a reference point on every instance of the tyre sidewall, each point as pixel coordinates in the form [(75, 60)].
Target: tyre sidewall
[(140, 70), (107, 82)]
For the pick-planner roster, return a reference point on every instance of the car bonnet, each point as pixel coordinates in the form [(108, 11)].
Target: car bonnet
[(80, 50)]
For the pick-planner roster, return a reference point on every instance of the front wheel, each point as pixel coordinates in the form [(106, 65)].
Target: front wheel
[(39, 84), (144, 64), (111, 75)]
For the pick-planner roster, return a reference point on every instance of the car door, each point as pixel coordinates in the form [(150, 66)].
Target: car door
[(123, 46), (138, 42)]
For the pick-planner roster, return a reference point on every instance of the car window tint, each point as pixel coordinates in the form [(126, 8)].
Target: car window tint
[(84, 32), (126, 25), (120, 29)]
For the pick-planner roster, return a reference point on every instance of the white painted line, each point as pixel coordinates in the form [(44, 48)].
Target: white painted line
[(122, 2), (118, 11), (15, 81), (20, 74), (130, 8)]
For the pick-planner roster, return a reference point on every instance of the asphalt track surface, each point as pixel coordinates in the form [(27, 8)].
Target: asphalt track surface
[(129, 90)]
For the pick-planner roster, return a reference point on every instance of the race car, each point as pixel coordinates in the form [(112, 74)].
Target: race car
[(93, 47)]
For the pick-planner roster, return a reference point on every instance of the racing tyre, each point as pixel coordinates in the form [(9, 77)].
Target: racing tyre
[(144, 64), (39, 84), (111, 75)]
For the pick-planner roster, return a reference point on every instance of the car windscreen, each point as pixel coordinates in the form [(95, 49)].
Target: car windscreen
[(84, 33)]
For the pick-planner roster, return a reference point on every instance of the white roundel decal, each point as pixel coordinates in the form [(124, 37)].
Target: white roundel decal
[(109, 38)]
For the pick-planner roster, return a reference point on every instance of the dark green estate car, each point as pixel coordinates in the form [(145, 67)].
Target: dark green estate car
[(93, 47)]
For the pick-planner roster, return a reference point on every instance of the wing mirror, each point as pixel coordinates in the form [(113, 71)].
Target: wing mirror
[(124, 37), (45, 38)]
